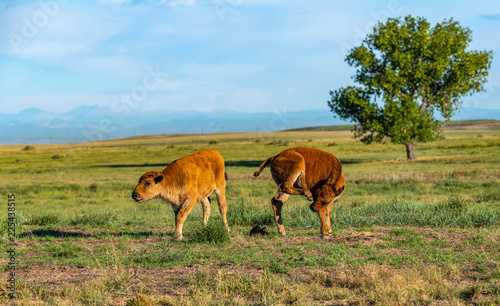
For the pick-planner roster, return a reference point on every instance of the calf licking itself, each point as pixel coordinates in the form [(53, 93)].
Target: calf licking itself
[(310, 172)]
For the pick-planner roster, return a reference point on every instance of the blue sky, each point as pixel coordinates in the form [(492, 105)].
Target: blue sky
[(241, 55)]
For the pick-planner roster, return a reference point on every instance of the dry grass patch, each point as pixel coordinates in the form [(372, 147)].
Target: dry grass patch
[(246, 284), (381, 285)]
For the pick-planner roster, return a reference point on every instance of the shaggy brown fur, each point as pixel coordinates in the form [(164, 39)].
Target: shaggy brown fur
[(185, 182), (309, 172)]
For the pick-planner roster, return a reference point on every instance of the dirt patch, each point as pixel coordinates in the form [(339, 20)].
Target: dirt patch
[(352, 238), (173, 281), (50, 275)]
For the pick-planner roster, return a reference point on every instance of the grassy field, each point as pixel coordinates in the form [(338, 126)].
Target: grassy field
[(422, 232)]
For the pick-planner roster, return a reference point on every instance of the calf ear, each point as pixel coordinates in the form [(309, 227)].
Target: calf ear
[(158, 179), (340, 190), (330, 179)]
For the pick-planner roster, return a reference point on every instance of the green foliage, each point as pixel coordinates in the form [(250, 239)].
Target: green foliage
[(45, 219), (454, 204), (242, 214), (65, 249), (414, 70), (403, 232), (28, 148), (278, 267), (213, 233), (94, 187)]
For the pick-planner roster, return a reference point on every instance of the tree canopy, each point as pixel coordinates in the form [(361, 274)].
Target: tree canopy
[(407, 71)]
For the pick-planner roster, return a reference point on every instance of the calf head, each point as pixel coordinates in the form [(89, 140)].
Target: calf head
[(149, 186), (326, 194)]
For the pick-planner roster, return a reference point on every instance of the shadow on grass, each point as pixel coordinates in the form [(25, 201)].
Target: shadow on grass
[(137, 234), (74, 234), (54, 234), (257, 163), (244, 163), (348, 161), (162, 165), (230, 163), (234, 163)]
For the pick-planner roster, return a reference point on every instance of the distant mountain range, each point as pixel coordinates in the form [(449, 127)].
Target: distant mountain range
[(94, 123)]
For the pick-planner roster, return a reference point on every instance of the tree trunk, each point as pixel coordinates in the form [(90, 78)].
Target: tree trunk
[(410, 151)]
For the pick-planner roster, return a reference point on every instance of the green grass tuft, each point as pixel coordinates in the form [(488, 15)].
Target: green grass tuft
[(455, 204), (213, 233), (278, 267), (244, 215), (64, 250), (43, 220)]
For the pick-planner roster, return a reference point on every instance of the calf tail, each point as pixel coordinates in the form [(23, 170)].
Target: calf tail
[(262, 166), (225, 176)]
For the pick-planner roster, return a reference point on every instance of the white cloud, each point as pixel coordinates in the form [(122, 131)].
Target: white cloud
[(168, 85), (71, 30), (113, 2), (177, 2), (258, 2), (267, 54)]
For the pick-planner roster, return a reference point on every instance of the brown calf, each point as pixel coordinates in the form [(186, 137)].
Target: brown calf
[(309, 172), (185, 182)]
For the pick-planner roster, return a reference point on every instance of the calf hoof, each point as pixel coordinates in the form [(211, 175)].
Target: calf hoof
[(177, 237), (308, 195)]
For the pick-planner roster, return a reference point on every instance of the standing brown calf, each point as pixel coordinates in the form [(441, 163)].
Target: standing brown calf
[(185, 182), (309, 172)]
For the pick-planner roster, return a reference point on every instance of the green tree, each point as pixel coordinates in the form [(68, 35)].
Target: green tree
[(407, 71)]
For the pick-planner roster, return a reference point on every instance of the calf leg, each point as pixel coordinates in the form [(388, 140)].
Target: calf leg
[(324, 220), (181, 213), (221, 200), (277, 201), (289, 188), (206, 210), (290, 171), (328, 218)]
